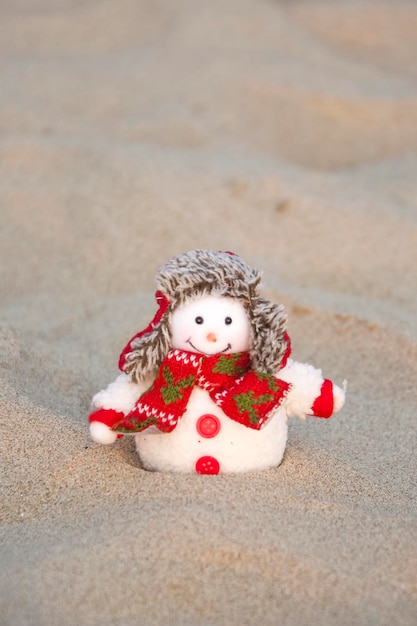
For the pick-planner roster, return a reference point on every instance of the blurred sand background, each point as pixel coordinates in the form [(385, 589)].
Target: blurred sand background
[(133, 130)]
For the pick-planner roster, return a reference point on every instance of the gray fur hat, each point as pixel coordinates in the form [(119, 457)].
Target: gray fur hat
[(199, 273)]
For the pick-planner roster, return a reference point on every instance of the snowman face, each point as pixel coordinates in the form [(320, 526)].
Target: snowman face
[(211, 325)]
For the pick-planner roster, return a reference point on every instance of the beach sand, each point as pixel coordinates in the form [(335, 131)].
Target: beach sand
[(135, 130)]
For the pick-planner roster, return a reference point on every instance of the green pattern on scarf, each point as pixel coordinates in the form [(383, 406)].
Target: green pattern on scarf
[(173, 391), (230, 366)]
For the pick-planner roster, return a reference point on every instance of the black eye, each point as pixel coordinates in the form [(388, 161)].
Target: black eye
[(228, 321), (199, 320)]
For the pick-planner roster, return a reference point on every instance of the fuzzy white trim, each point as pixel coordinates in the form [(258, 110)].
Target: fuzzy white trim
[(100, 433), (306, 383), (338, 397), (120, 395)]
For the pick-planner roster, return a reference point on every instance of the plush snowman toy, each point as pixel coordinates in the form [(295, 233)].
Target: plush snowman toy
[(208, 386)]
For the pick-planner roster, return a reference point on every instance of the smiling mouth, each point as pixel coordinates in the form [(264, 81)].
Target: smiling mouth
[(207, 353)]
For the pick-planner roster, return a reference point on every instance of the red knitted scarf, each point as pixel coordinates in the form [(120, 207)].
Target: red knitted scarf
[(244, 395)]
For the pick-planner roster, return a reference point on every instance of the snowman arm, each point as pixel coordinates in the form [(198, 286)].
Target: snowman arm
[(111, 405), (310, 393), (121, 395)]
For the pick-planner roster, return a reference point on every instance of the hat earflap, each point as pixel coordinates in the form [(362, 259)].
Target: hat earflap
[(270, 341), (148, 351)]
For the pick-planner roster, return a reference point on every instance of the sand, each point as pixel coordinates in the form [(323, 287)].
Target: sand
[(135, 130)]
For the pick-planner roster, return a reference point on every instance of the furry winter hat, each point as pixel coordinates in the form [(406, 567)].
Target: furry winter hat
[(200, 273)]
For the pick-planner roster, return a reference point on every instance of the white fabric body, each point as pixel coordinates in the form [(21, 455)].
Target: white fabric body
[(236, 447)]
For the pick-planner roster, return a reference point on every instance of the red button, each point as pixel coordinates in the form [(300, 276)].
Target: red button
[(207, 465), (208, 426)]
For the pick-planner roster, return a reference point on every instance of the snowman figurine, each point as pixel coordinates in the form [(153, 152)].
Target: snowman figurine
[(208, 386)]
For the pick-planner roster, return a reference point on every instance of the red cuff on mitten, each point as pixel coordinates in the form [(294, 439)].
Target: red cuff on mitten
[(109, 417), (324, 403)]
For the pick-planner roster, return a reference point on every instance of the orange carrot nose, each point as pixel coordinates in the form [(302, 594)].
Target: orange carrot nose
[(211, 337)]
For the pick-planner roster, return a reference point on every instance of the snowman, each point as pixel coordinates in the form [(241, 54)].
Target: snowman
[(209, 385)]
